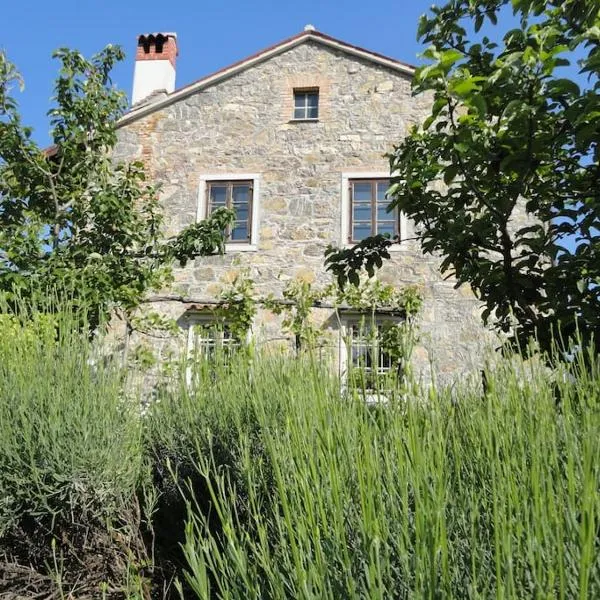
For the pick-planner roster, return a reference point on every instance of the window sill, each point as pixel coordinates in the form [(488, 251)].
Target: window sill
[(241, 247), (397, 247), (370, 397), (304, 120)]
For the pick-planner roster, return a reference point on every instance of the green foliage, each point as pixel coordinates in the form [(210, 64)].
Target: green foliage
[(396, 338), (372, 295), (398, 341), (346, 263), (308, 496), (237, 306), (72, 455), (292, 490), (74, 218), (68, 442), (511, 133), (202, 238), (300, 298), (73, 460), (153, 322)]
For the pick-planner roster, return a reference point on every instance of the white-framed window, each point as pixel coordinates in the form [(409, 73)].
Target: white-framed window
[(366, 363), (210, 341), (306, 104), (365, 209), (240, 192)]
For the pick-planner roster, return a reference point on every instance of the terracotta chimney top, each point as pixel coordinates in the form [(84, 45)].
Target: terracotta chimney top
[(157, 46)]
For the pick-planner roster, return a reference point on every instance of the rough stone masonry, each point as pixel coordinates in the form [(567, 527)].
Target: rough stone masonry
[(243, 125)]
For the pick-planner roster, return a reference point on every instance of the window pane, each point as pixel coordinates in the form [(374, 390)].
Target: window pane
[(382, 187), (385, 361), (299, 100), (239, 232), (360, 231), (241, 193), (361, 192), (383, 214), (361, 212), (386, 228), (299, 113), (312, 100), (313, 112), (241, 212), (362, 355), (218, 195)]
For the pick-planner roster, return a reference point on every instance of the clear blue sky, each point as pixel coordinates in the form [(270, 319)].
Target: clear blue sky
[(211, 35)]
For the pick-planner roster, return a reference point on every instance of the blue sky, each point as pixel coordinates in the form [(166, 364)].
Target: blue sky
[(211, 35)]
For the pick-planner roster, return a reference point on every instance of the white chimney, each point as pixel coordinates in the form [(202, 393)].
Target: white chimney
[(154, 65)]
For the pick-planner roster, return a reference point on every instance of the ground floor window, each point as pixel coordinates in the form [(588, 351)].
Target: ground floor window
[(211, 347), (370, 353), (212, 339)]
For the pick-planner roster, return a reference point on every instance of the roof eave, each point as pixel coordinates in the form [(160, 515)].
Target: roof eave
[(184, 92)]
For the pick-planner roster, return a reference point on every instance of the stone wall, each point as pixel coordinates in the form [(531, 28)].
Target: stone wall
[(243, 125)]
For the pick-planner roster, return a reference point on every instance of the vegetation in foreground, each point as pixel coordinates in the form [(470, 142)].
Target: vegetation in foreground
[(261, 481)]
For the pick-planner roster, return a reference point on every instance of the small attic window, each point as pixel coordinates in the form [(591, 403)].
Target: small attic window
[(306, 104)]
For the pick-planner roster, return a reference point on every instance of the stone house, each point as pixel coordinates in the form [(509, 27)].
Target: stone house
[(294, 138)]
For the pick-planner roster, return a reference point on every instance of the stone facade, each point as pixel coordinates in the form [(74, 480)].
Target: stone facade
[(243, 125)]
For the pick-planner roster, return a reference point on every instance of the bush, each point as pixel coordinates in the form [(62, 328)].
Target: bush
[(268, 483), (71, 450), (487, 496)]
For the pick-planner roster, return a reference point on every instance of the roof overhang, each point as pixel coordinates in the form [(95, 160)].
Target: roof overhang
[(303, 37)]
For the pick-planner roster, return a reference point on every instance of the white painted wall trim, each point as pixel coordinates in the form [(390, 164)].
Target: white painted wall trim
[(345, 218), (151, 76), (203, 203)]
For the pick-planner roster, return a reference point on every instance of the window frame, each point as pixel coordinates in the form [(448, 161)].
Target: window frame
[(203, 206), (229, 203), (349, 321), (212, 342), (199, 317), (347, 179), (374, 183), (306, 91)]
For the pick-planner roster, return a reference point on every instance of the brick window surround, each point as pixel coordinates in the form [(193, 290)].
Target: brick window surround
[(305, 82)]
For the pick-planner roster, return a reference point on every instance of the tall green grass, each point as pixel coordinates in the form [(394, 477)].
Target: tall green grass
[(277, 486), (73, 463), (70, 442), (441, 496)]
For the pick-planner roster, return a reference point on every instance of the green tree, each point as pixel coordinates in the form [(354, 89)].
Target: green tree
[(72, 217), (513, 132)]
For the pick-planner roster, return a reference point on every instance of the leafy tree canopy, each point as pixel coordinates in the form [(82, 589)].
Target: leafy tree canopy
[(503, 179), (72, 217)]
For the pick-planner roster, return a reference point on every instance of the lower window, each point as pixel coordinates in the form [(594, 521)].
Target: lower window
[(212, 339), (211, 346), (373, 364)]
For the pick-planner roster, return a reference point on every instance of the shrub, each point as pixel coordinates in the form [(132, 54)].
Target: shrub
[(480, 497), (71, 451)]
